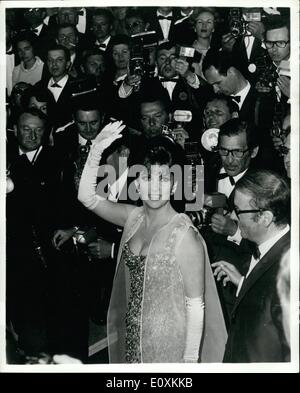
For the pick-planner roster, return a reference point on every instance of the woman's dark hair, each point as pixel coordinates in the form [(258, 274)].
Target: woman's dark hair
[(161, 150), (25, 35)]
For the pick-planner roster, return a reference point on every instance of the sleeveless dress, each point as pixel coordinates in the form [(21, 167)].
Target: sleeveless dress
[(147, 313)]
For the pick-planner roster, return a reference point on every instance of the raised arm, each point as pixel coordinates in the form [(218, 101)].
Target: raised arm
[(116, 213), (190, 256)]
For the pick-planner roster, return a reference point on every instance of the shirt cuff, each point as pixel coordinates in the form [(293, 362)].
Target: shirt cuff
[(236, 238), (239, 286), (122, 91)]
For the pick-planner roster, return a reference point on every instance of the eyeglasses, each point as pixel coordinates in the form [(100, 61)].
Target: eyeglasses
[(279, 44), (236, 153), (238, 212)]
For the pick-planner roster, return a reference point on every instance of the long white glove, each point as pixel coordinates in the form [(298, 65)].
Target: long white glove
[(88, 182), (194, 326)]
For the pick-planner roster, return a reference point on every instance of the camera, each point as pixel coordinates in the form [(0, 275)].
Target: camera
[(141, 62), (266, 71), (237, 24), (213, 203), (176, 129)]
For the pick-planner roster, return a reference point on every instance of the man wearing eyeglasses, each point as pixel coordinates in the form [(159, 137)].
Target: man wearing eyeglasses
[(236, 150), (262, 206), (277, 42)]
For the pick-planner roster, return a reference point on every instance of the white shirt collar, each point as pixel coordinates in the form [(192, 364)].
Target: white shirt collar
[(31, 154), (224, 185), (243, 94), (104, 42), (82, 141), (266, 246), (62, 82), (39, 28)]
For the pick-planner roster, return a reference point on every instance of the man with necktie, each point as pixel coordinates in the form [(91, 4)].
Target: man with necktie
[(32, 214), (101, 28), (58, 62), (262, 207), (236, 152)]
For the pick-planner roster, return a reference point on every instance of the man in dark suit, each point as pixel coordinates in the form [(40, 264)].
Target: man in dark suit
[(222, 74), (58, 62), (162, 20), (236, 152), (89, 292), (32, 214), (101, 28), (34, 20), (262, 207)]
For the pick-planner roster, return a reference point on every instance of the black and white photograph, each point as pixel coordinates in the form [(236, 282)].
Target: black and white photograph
[(149, 187)]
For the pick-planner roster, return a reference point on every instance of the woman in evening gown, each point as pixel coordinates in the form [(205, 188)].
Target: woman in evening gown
[(164, 306)]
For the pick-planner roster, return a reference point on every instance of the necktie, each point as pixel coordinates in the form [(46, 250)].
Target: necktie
[(222, 176), (255, 251), (161, 17), (34, 30), (83, 154), (56, 85), (101, 46), (84, 149), (9, 52), (236, 98), (81, 13)]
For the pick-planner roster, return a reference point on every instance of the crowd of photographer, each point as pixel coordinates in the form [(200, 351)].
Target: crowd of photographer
[(213, 81)]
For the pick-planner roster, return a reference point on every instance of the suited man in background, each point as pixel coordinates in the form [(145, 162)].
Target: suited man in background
[(32, 214), (59, 84), (163, 21), (262, 206)]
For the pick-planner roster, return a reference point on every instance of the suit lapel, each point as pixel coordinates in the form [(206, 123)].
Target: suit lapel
[(268, 260)]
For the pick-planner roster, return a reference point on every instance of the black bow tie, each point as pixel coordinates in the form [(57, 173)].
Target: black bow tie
[(34, 30), (168, 79), (161, 17), (224, 175), (101, 46), (236, 98), (81, 13), (255, 251), (56, 85), (10, 52)]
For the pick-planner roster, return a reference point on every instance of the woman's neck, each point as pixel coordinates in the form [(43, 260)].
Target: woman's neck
[(29, 64), (203, 43), (158, 217)]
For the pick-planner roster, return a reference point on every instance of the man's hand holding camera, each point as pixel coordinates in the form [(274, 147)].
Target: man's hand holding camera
[(223, 225)]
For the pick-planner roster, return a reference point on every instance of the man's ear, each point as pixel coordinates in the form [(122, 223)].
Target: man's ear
[(254, 152), (267, 218)]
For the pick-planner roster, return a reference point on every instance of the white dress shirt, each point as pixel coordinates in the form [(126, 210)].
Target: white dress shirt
[(165, 24), (56, 91), (243, 94), (263, 248), (81, 25), (225, 187)]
